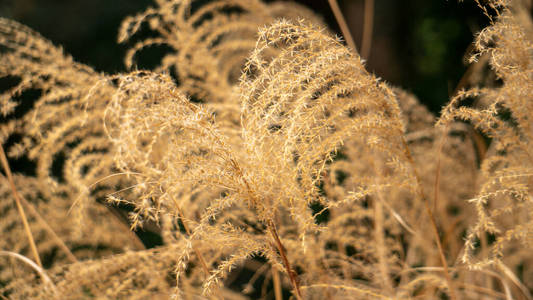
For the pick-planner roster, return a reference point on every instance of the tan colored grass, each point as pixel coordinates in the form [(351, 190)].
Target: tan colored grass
[(292, 162)]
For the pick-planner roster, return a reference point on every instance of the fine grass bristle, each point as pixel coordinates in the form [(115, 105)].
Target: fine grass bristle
[(263, 160)]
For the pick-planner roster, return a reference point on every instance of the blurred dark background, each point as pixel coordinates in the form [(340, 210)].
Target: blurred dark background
[(419, 45)]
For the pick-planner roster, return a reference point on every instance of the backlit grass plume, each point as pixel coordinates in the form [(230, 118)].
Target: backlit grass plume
[(267, 162), (61, 134), (209, 42), (503, 201), (307, 107)]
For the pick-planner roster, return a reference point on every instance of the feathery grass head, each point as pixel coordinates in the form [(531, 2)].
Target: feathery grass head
[(503, 115), (259, 143), (209, 41)]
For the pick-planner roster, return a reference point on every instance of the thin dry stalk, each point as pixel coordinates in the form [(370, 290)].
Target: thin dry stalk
[(33, 265), (281, 249), (277, 285), (433, 222), (18, 201), (368, 27), (436, 184), (55, 237), (381, 247), (342, 24), (512, 277), (379, 232)]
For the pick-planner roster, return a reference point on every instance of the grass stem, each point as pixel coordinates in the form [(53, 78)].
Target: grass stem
[(427, 205), (278, 295), (18, 201), (368, 26), (342, 24), (292, 275)]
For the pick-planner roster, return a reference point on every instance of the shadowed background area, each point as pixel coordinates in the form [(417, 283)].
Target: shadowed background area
[(419, 45)]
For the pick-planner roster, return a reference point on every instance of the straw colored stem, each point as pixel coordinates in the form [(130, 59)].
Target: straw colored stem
[(277, 285), (292, 275), (342, 24), (433, 223), (33, 265), (368, 27), (18, 201)]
